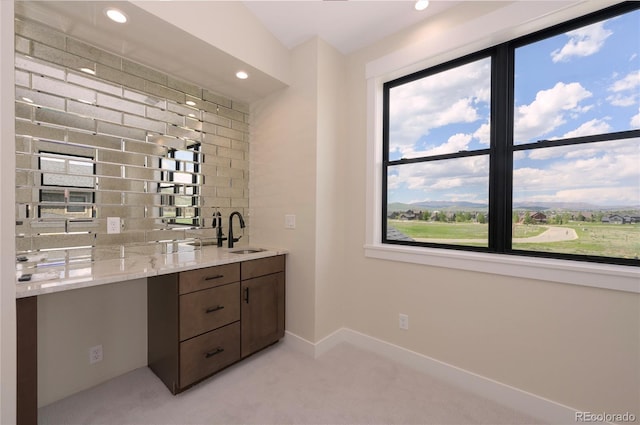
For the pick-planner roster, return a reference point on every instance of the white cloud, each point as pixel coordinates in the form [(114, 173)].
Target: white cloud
[(440, 180), (393, 181), (635, 120), (547, 111), (629, 82), (626, 90), (600, 195), (483, 133), (595, 126), (582, 42), (603, 173), (460, 111), (519, 155), (451, 97), (457, 142)]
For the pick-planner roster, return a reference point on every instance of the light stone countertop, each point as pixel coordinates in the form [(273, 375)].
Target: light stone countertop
[(68, 276)]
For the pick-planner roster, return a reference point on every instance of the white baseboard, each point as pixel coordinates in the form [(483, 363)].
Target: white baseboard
[(544, 409), (299, 344)]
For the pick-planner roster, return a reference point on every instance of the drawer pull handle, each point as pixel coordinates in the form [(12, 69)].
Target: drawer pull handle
[(218, 276), (246, 295), (213, 353), (212, 309)]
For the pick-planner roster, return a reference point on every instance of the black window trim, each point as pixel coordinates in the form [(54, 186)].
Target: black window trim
[(500, 154)]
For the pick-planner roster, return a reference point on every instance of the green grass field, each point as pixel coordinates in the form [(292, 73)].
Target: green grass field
[(608, 240)]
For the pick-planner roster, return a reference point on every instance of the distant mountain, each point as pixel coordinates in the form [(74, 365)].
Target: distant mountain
[(571, 206), (436, 205), (530, 206), (450, 204)]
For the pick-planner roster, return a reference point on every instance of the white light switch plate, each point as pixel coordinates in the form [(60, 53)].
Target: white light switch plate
[(113, 225), (289, 221)]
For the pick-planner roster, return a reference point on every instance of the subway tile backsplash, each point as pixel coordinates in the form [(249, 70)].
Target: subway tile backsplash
[(162, 165)]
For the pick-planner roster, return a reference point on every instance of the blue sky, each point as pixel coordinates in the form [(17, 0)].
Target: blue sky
[(579, 83)]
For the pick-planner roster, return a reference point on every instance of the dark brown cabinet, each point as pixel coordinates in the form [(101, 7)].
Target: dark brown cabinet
[(263, 286), (201, 321)]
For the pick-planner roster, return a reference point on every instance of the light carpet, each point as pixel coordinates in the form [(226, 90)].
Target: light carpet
[(346, 385)]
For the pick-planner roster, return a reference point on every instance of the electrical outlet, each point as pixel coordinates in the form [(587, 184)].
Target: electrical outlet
[(113, 225), (404, 321), (95, 354)]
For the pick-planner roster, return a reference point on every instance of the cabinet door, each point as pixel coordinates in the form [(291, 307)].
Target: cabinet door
[(262, 314)]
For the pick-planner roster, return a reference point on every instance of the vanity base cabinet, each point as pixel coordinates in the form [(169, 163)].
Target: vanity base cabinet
[(206, 354), (162, 329), (262, 312), (27, 360), (193, 322), (263, 300), (201, 321)]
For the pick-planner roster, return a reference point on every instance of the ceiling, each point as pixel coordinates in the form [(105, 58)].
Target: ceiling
[(347, 25)]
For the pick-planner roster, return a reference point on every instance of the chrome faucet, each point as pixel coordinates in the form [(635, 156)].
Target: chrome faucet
[(217, 224), (231, 238)]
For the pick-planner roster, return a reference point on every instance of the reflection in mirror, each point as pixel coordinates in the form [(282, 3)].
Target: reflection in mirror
[(128, 143), (60, 173), (179, 185)]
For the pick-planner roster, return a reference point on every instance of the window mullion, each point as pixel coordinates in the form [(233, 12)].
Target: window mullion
[(500, 171)]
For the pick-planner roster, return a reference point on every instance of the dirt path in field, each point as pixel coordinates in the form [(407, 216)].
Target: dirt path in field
[(552, 234)]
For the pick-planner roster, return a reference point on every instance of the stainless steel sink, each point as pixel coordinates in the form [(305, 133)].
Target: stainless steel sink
[(247, 250)]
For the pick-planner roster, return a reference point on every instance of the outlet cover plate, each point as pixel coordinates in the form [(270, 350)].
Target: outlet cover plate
[(404, 321), (95, 354), (113, 225), (290, 221)]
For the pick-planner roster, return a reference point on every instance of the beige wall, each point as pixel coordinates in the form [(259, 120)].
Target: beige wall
[(331, 204), (297, 157), (283, 158), (575, 345), (69, 323), (7, 221)]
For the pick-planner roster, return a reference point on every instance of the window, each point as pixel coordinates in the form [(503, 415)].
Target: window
[(531, 147), (179, 187), (63, 177)]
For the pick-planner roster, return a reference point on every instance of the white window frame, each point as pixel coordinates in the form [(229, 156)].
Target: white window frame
[(499, 26)]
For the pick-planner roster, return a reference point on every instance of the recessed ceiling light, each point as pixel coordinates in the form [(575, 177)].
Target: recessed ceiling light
[(242, 75), (421, 4), (116, 15), (190, 103), (88, 71)]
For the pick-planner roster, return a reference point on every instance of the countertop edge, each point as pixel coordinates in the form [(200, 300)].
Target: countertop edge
[(136, 267)]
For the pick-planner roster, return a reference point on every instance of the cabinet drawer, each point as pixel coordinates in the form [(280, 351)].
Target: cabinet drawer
[(209, 309), (195, 280), (208, 353), (262, 266)]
